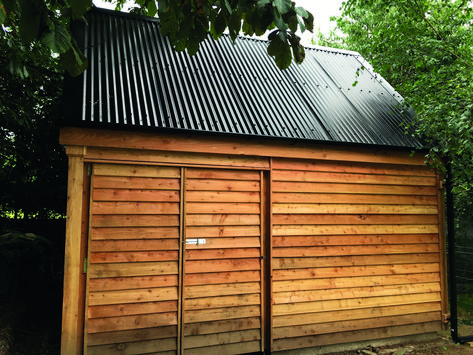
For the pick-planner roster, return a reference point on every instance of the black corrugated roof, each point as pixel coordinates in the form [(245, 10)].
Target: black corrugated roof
[(136, 80)]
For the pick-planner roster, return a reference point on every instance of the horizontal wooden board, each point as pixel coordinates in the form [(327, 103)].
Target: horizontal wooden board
[(156, 347), (315, 187), (222, 196), (354, 336), (363, 260), (116, 310), (350, 167), (222, 289), (236, 348), (354, 303), (221, 326), (101, 298), (135, 221), (321, 208), (354, 239), (354, 219), (97, 325), (136, 170), (307, 196), (346, 271), (355, 250), (353, 292), (215, 254), (191, 158), (354, 314), (239, 337), (222, 231), (221, 185), (125, 336), (135, 207), (222, 219), (349, 325), (135, 195), (137, 142), (109, 186), (360, 281), (222, 174), (221, 265), (134, 245), (222, 301), (206, 315), (133, 269), (228, 208), (134, 233), (336, 177), (222, 277), (127, 283), (231, 242), (133, 256)]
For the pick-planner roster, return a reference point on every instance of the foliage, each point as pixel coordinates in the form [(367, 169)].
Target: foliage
[(187, 24), (33, 164), (424, 48)]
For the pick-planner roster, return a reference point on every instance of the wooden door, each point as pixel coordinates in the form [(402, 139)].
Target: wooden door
[(133, 263), (222, 292)]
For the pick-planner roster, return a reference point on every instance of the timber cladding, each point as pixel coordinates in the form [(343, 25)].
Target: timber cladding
[(197, 252)]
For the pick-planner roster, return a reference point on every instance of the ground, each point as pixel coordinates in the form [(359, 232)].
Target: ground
[(442, 345)]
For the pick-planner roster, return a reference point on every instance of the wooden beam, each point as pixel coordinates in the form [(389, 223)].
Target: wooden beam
[(234, 146), (71, 341)]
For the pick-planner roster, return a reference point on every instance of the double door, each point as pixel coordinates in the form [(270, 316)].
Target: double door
[(175, 261)]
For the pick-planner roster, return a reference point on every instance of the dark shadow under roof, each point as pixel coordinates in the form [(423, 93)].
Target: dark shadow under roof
[(136, 80)]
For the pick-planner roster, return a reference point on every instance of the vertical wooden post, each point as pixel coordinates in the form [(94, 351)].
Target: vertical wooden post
[(71, 342), (182, 257), (442, 248)]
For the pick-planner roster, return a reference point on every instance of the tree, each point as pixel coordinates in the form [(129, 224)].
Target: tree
[(186, 22), (424, 48), (33, 164)]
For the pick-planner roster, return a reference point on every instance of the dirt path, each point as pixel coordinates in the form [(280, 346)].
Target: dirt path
[(443, 345)]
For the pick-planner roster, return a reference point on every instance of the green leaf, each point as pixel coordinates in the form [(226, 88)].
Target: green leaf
[(30, 20), (152, 9), (281, 51), (219, 25), (74, 61), (283, 6), (309, 21), (234, 24), (58, 39), (168, 21), (80, 7)]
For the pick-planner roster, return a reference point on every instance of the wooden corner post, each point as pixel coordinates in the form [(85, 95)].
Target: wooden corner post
[(71, 339)]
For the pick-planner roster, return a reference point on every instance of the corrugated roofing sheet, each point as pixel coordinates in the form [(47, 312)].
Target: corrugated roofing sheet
[(136, 80)]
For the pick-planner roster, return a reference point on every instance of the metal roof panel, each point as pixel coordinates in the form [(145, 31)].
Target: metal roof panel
[(135, 80)]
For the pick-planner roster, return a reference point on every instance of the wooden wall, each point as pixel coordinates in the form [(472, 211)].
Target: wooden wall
[(133, 263), (216, 246), (355, 252)]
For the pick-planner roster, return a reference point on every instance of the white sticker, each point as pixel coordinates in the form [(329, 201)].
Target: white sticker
[(195, 241)]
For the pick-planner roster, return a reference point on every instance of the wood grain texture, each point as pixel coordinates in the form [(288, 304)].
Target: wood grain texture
[(354, 251), (137, 141), (223, 273), (354, 234), (134, 259)]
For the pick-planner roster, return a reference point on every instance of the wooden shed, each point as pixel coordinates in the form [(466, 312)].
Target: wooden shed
[(217, 205)]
